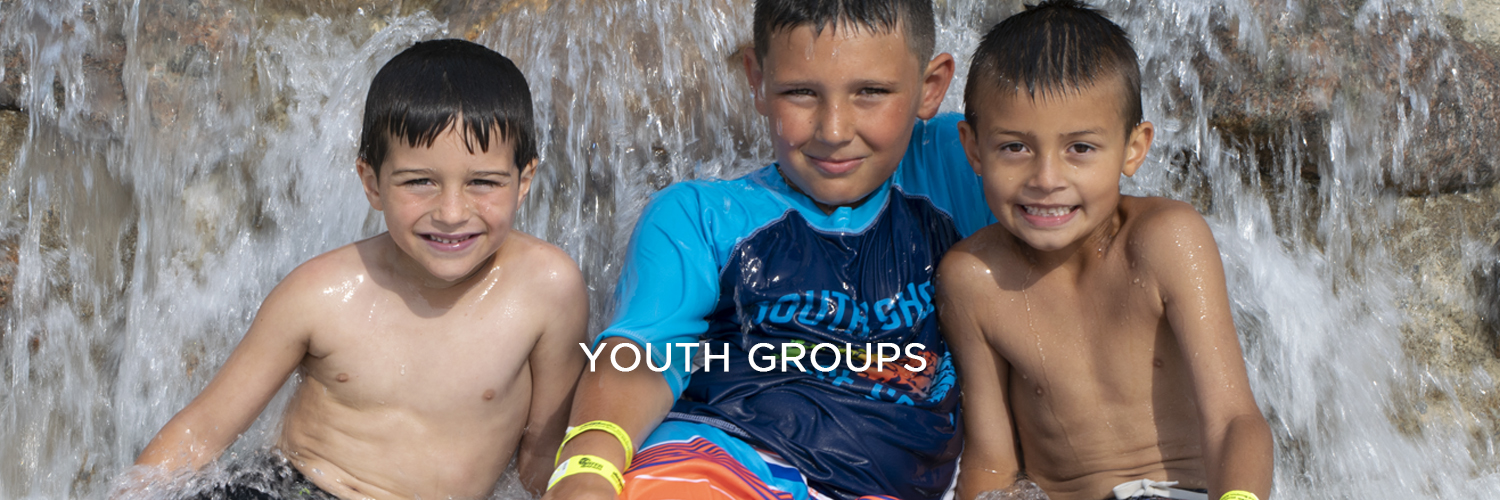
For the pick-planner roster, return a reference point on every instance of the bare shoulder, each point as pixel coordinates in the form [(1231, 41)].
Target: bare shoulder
[(1172, 242), (316, 278), (543, 268), (1166, 230), (971, 265)]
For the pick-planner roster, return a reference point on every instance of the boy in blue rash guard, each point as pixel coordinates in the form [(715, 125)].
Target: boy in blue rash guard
[(833, 245)]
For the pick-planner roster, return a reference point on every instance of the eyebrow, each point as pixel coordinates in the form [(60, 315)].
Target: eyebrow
[(1028, 135), (428, 171), (810, 83)]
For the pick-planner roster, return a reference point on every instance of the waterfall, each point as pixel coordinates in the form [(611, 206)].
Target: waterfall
[(180, 157)]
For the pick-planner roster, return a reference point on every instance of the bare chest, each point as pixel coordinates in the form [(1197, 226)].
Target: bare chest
[(1096, 337), (392, 355)]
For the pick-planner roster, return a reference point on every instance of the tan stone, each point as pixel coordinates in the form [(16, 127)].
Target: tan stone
[(1484, 16), (12, 134), (1446, 330)]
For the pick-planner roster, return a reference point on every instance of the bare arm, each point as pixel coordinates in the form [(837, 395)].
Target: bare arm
[(274, 346), (668, 286), (1237, 440), (635, 400), (555, 362), (990, 457)]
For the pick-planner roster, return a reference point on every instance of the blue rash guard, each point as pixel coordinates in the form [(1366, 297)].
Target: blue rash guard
[(749, 261)]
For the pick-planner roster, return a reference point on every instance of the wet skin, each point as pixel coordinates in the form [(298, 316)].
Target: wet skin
[(429, 354), (1092, 330), (841, 105)]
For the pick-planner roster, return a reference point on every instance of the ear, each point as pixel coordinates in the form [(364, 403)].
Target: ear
[(757, 78), (371, 182), (1139, 144), (970, 140), (527, 174), (935, 81)]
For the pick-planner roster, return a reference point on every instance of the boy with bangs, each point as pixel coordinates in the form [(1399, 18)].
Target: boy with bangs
[(834, 243), (429, 355), (1093, 330)]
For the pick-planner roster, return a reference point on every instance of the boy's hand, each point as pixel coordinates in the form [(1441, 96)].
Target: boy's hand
[(1023, 490), (634, 400), (255, 371), (581, 487)]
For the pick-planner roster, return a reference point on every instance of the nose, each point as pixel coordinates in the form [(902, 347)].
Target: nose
[(1048, 175), (835, 125), (453, 207)]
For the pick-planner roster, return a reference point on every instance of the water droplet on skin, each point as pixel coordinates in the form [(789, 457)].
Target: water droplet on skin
[(403, 370)]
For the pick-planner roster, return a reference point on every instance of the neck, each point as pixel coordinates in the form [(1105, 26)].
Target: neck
[(825, 208), (1080, 254)]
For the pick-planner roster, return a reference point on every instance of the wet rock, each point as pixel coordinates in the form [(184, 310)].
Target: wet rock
[(12, 135), (344, 8), (14, 65), (1483, 17), (1449, 245), (1323, 56)]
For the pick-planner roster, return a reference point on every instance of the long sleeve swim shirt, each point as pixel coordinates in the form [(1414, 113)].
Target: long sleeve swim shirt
[(730, 264)]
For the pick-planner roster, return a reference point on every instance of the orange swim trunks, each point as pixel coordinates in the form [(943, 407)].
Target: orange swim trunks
[(698, 469)]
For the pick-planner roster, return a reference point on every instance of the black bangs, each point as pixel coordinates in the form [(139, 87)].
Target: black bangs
[(438, 84), (887, 16), (1055, 47)]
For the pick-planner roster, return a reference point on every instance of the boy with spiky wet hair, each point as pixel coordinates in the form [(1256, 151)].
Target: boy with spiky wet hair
[(1092, 330), (432, 354), (834, 244)]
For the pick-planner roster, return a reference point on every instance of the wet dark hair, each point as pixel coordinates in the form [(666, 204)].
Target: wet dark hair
[(1054, 47), (425, 89), (877, 16)]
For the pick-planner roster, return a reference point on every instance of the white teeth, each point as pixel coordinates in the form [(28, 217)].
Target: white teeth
[(1047, 212), (445, 241)]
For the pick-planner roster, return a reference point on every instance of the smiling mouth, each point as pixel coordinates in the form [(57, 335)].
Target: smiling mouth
[(835, 167), (1048, 211), (449, 239)]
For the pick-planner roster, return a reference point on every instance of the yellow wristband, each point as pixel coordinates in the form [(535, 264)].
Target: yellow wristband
[(1239, 495), (599, 425), (588, 464)]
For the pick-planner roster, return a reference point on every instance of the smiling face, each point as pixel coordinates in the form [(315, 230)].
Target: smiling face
[(1051, 165), (841, 105), (447, 209)]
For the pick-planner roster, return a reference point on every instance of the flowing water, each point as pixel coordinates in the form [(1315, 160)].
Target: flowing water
[(182, 156)]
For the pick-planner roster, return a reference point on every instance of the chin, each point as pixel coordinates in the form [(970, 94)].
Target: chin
[(453, 275), (1041, 243), (841, 195)]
